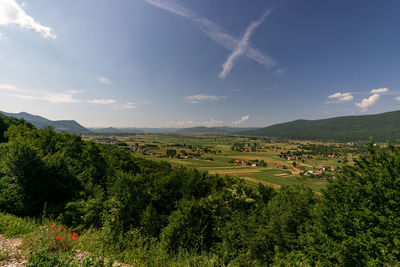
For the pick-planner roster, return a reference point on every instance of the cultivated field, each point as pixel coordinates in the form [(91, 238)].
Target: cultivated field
[(286, 161)]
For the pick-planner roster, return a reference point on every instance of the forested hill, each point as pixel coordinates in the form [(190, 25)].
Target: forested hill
[(69, 126), (382, 127)]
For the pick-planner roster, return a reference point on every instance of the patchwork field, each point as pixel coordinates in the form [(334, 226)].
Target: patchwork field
[(275, 160)]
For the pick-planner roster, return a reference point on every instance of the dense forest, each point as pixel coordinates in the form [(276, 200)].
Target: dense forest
[(136, 210)]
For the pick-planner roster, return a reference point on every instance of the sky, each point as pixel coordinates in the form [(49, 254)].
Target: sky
[(184, 63)]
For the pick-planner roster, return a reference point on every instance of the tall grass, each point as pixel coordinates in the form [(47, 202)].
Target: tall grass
[(13, 226)]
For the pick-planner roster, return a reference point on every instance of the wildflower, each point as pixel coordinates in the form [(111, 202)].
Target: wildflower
[(73, 237), (58, 237), (53, 225), (59, 228)]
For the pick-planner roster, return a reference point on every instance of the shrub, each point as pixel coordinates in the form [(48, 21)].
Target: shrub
[(51, 238)]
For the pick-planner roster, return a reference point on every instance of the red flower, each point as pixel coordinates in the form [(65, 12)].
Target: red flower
[(58, 237)]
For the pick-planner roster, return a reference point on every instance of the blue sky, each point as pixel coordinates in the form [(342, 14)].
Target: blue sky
[(176, 63)]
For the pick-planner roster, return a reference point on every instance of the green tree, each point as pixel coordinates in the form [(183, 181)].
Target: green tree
[(358, 219)]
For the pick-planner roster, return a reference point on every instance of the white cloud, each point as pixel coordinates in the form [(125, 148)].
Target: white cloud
[(398, 98), (129, 105), (74, 92), (57, 98), (104, 80), (12, 14), (26, 97), (102, 101), (195, 99), (367, 102), (243, 119), (210, 123), (379, 91), (341, 97), (189, 123), (60, 98), (242, 46), (214, 31), (8, 87)]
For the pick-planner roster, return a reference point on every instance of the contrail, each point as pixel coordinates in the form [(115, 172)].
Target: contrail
[(242, 46), (217, 33)]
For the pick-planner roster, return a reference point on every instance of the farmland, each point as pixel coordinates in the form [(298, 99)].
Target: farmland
[(272, 162)]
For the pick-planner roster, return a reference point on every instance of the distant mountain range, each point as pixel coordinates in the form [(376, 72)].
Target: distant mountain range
[(69, 126), (382, 127)]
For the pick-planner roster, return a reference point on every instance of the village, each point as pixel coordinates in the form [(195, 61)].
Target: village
[(268, 160)]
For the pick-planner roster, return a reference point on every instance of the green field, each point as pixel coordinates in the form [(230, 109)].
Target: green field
[(215, 151)]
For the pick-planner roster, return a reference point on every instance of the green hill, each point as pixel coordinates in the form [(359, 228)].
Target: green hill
[(384, 126), (69, 126)]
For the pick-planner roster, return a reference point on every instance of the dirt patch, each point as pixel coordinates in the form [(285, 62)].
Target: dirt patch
[(253, 180), (10, 252), (281, 174), (12, 256), (226, 167), (231, 171)]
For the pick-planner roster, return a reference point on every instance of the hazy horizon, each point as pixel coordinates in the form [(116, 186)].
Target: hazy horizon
[(179, 64)]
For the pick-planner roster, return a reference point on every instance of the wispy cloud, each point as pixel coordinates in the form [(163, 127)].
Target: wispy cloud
[(379, 91), (214, 31), (129, 105), (195, 99), (74, 92), (104, 80), (341, 97), (12, 14), (242, 46), (367, 102), (243, 119), (102, 101), (10, 87), (209, 123), (56, 98), (189, 123), (60, 98)]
